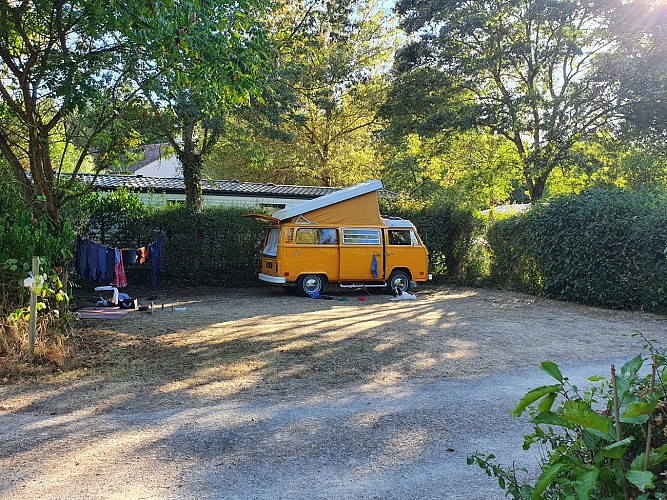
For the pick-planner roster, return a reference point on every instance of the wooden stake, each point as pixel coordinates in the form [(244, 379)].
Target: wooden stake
[(33, 312), (618, 426), (649, 432)]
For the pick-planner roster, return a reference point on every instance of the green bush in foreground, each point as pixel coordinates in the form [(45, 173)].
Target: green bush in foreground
[(608, 441)]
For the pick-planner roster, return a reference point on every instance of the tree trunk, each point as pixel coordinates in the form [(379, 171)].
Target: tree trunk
[(535, 188), (192, 173)]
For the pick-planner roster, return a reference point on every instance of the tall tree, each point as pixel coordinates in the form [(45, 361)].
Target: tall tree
[(525, 69), (69, 72), (333, 56), (215, 65), (61, 80)]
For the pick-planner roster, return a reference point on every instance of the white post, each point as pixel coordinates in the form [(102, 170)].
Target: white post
[(33, 312)]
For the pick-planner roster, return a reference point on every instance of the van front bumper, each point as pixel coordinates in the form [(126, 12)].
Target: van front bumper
[(272, 279)]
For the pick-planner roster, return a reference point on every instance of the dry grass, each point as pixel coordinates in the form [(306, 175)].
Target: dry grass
[(54, 349), (264, 341)]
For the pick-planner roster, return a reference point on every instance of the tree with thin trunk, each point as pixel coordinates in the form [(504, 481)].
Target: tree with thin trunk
[(72, 74), (328, 84), (221, 52), (62, 87)]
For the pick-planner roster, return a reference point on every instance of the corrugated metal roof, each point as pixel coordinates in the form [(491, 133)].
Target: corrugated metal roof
[(107, 182)]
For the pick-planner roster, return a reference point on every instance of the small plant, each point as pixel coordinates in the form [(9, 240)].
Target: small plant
[(53, 319), (608, 441)]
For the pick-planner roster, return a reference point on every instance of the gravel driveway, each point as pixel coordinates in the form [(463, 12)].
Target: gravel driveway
[(258, 394)]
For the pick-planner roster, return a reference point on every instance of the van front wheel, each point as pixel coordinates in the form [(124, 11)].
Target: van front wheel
[(398, 280), (309, 284)]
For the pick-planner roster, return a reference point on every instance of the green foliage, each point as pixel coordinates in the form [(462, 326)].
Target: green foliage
[(603, 247), (76, 77), (209, 58), (217, 247), (587, 453), (472, 169), (319, 123), (522, 69), (21, 238), (113, 218)]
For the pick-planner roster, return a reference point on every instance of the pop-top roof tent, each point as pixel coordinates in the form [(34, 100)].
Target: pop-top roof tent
[(353, 205)]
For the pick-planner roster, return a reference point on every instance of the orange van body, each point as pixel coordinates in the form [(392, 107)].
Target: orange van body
[(341, 238)]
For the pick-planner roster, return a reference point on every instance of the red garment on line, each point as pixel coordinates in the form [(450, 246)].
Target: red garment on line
[(120, 280)]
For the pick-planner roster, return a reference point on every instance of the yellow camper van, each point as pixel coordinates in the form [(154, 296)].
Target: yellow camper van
[(341, 238)]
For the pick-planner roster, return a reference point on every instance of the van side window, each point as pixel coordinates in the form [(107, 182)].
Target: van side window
[(361, 236), (290, 235), (399, 237), (312, 236), (403, 237)]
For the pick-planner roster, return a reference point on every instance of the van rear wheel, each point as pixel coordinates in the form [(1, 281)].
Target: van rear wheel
[(309, 284), (398, 280)]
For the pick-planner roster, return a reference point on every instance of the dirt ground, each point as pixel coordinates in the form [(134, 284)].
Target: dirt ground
[(261, 394)]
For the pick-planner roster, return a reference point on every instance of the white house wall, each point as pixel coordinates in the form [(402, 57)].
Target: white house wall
[(162, 167)]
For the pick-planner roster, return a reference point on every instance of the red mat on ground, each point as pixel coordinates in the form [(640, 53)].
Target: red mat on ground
[(102, 312)]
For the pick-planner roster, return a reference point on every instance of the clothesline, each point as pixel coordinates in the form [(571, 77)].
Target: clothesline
[(100, 263)]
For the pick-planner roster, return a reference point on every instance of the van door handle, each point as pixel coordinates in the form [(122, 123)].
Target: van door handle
[(389, 254)]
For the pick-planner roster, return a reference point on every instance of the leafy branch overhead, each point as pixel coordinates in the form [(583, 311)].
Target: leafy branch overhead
[(73, 71)]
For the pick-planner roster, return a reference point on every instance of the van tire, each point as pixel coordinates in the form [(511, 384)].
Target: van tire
[(398, 279), (309, 284)]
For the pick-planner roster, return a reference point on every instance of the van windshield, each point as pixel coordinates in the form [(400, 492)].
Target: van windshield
[(271, 247)]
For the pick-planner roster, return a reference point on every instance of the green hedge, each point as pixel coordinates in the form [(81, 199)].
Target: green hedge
[(218, 247), (605, 248)]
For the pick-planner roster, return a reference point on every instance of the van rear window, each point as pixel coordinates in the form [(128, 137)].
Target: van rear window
[(361, 236), (271, 246)]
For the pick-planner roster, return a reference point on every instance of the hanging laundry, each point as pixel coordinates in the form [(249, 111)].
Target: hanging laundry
[(120, 280), (96, 262), (81, 260), (129, 257), (111, 264), (102, 270), (142, 255), (92, 269), (374, 267), (155, 258)]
